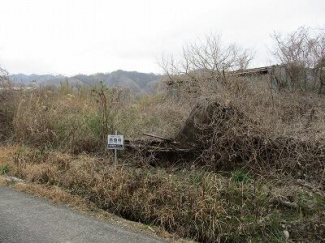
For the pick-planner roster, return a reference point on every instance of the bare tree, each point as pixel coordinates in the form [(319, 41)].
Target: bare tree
[(302, 52), (4, 77), (206, 61), (318, 49)]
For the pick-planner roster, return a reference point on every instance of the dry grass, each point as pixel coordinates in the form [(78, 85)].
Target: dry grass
[(8, 106), (58, 196), (6, 155), (208, 207), (79, 121)]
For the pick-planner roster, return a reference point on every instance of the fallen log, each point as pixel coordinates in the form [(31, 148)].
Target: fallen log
[(155, 136)]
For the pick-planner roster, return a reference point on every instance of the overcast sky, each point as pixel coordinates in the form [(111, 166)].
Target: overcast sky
[(90, 36)]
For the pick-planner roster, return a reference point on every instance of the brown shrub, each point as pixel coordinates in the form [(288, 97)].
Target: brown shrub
[(225, 139)]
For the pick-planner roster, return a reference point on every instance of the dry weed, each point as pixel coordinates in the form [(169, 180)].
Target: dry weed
[(205, 206)]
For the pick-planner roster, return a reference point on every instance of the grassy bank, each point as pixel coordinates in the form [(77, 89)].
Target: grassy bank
[(205, 206)]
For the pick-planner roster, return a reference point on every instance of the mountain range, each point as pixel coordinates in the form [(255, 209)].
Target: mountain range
[(135, 81)]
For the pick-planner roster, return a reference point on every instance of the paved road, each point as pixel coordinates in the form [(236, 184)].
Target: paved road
[(25, 219)]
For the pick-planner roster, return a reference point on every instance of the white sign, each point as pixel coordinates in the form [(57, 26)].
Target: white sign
[(115, 142)]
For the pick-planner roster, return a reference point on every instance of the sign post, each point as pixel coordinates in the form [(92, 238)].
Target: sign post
[(115, 153), (115, 142)]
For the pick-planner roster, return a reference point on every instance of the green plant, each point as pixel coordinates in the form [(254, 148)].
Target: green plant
[(197, 178), (239, 176), (4, 169)]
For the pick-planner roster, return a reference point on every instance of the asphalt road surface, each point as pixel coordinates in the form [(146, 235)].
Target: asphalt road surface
[(25, 219)]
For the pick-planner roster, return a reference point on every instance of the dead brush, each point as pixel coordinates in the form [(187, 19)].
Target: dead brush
[(229, 139), (247, 123), (8, 105), (79, 121), (63, 119)]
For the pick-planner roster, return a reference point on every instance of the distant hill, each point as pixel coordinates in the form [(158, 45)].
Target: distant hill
[(135, 81)]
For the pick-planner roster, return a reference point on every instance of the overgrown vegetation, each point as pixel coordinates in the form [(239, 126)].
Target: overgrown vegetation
[(79, 120), (8, 105), (206, 206), (257, 163)]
